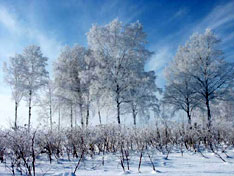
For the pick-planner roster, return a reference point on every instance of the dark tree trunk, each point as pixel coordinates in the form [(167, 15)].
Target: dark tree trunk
[(118, 104), (188, 108), (87, 111), (207, 99), (16, 114), (81, 116), (189, 115), (29, 109), (87, 116), (134, 114), (100, 118), (33, 156), (189, 119), (134, 119), (118, 112), (208, 113)]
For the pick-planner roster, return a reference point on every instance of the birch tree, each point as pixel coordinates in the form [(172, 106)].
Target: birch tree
[(87, 77), (206, 67), (72, 77), (14, 78), (142, 94), (117, 48), (213, 75), (34, 74), (48, 103), (179, 89)]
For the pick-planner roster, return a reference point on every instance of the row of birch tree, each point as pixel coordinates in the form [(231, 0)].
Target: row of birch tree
[(109, 74)]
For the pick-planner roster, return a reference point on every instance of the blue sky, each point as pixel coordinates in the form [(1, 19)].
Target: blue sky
[(55, 23)]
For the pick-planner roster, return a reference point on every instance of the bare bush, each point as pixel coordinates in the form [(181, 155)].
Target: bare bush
[(21, 149)]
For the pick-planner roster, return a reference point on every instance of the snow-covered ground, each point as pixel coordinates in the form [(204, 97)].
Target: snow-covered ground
[(190, 164)]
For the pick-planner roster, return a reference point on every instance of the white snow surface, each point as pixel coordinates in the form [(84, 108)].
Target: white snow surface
[(190, 164)]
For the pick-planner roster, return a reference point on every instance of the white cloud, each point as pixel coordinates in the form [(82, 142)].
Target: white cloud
[(219, 16), (228, 37), (180, 13), (49, 46), (19, 33), (159, 59), (123, 10), (158, 62), (6, 19)]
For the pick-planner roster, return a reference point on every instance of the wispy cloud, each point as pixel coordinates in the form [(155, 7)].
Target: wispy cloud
[(20, 35), (220, 19), (6, 19), (180, 13), (158, 61), (228, 37), (219, 16), (124, 10)]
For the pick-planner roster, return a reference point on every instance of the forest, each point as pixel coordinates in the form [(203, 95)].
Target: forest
[(98, 103)]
